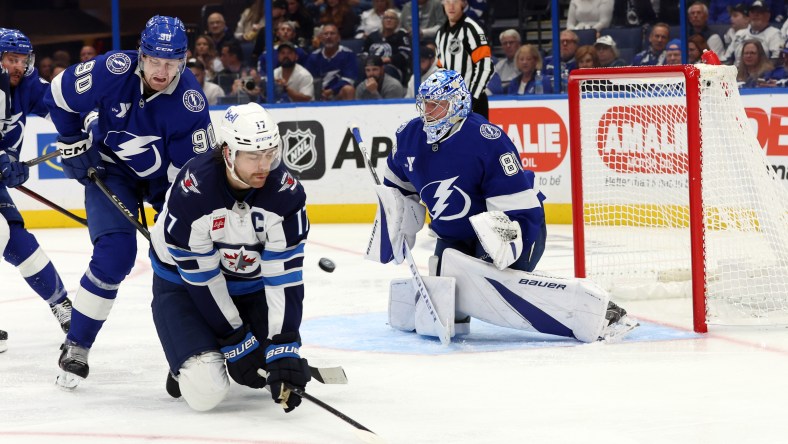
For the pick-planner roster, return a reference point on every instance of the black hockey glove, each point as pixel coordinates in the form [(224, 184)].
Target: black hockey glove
[(285, 365), (244, 357)]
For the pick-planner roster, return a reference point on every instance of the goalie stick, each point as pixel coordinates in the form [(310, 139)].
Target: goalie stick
[(363, 433), (444, 332), (325, 375)]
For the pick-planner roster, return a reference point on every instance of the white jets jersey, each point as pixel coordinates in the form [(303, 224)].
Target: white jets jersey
[(220, 247)]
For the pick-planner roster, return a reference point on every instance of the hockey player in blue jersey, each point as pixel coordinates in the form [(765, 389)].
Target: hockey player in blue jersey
[(24, 92), (152, 118), (227, 256), (489, 220)]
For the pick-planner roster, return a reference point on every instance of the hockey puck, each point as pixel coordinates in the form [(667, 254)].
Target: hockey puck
[(326, 265)]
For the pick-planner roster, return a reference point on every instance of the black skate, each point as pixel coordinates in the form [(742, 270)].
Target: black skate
[(3, 339), (618, 323), (172, 386), (62, 312), (73, 363)]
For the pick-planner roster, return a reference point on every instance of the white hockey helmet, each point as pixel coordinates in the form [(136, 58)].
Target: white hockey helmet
[(251, 128)]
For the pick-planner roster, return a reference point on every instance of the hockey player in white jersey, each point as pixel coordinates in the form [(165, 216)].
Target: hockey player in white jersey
[(152, 118), (228, 252), (489, 220)]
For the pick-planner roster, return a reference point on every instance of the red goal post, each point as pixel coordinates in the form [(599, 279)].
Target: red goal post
[(672, 195)]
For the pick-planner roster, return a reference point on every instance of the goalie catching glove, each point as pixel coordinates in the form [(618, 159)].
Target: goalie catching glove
[(501, 237), (397, 220), (285, 365)]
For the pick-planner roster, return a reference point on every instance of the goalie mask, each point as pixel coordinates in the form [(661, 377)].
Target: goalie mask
[(14, 42), (250, 128), (164, 38), (443, 100)]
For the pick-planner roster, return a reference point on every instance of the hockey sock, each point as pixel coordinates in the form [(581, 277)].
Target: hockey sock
[(24, 253)]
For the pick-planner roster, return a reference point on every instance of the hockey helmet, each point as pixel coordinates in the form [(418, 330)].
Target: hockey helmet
[(13, 41), (165, 38), (250, 128), (445, 90)]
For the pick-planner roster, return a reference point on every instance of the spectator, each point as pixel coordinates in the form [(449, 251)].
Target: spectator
[(431, 17), (506, 68), (528, 62), (655, 53), (213, 92), (278, 9), (719, 10), (696, 44), (217, 31), (475, 9), (334, 66), (251, 22), (462, 47), (633, 12), (698, 16), (587, 57), (755, 65), (86, 53), (779, 77), (339, 13), (205, 52), (372, 19), (392, 44), (378, 84), (428, 64), (293, 82), (58, 67), (568, 47), (45, 65), (234, 68), (296, 12), (739, 20), (285, 32), (759, 29), (61, 57), (673, 52), (589, 14), (607, 51)]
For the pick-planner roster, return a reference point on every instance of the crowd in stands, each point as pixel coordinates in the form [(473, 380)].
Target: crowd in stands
[(361, 49)]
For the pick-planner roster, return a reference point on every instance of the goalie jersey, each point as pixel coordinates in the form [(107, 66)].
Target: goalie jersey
[(26, 98), (476, 168), (220, 247), (153, 136)]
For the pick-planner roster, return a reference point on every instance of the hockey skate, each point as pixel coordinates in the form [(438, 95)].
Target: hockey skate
[(62, 312), (73, 363), (3, 339), (618, 324), (172, 386)]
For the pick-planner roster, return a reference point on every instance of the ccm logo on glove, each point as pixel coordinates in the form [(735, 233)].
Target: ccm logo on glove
[(235, 353), (72, 151), (282, 351)]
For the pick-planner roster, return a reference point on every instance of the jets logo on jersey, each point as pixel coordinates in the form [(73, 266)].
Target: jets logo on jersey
[(445, 200), (189, 183), (488, 131), (239, 260), (193, 101), (288, 182), (118, 63), (139, 152), (299, 150)]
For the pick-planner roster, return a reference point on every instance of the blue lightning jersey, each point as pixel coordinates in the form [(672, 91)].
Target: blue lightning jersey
[(219, 247), (153, 136), (26, 98), (473, 170)]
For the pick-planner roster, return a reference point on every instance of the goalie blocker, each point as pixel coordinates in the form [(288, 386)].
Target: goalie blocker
[(567, 307)]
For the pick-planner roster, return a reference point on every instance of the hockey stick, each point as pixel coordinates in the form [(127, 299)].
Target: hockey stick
[(362, 432), (52, 205), (325, 375), (444, 330), (40, 159)]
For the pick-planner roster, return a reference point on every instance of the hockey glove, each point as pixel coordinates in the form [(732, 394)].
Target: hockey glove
[(12, 172), (284, 364), (244, 358), (500, 236), (78, 157)]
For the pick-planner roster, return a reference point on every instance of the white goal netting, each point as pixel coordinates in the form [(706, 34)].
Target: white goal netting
[(635, 186)]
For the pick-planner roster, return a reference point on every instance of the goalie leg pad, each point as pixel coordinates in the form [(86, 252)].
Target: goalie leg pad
[(203, 381), (408, 312), (398, 218), (526, 301)]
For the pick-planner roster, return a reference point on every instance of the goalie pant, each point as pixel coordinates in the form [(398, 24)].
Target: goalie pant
[(516, 299)]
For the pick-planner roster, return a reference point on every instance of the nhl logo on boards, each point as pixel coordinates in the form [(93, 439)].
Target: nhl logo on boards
[(303, 148), (488, 131), (118, 63), (193, 101)]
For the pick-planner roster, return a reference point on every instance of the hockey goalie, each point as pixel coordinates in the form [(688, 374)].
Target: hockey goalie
[(489, 220)]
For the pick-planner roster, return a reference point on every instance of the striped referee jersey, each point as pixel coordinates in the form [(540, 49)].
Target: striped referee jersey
[(464, 48)]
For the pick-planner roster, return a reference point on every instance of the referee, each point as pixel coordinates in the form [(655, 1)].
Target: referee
[(462, 47)]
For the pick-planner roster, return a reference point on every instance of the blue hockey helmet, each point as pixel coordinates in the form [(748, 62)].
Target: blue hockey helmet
[(444, 90), (164, 37), (13, 41)]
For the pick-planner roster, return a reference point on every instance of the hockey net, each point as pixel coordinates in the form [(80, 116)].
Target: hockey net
[(673, 195)]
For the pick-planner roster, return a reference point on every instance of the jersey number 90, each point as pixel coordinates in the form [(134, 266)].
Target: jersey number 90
[(203, 139), (84, 77)]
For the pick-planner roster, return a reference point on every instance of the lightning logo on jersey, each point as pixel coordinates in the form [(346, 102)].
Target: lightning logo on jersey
[(139, 152), (444, 190)]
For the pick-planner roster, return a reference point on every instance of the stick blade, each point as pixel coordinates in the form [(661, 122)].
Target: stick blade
[(328, 375), (369, 437)]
